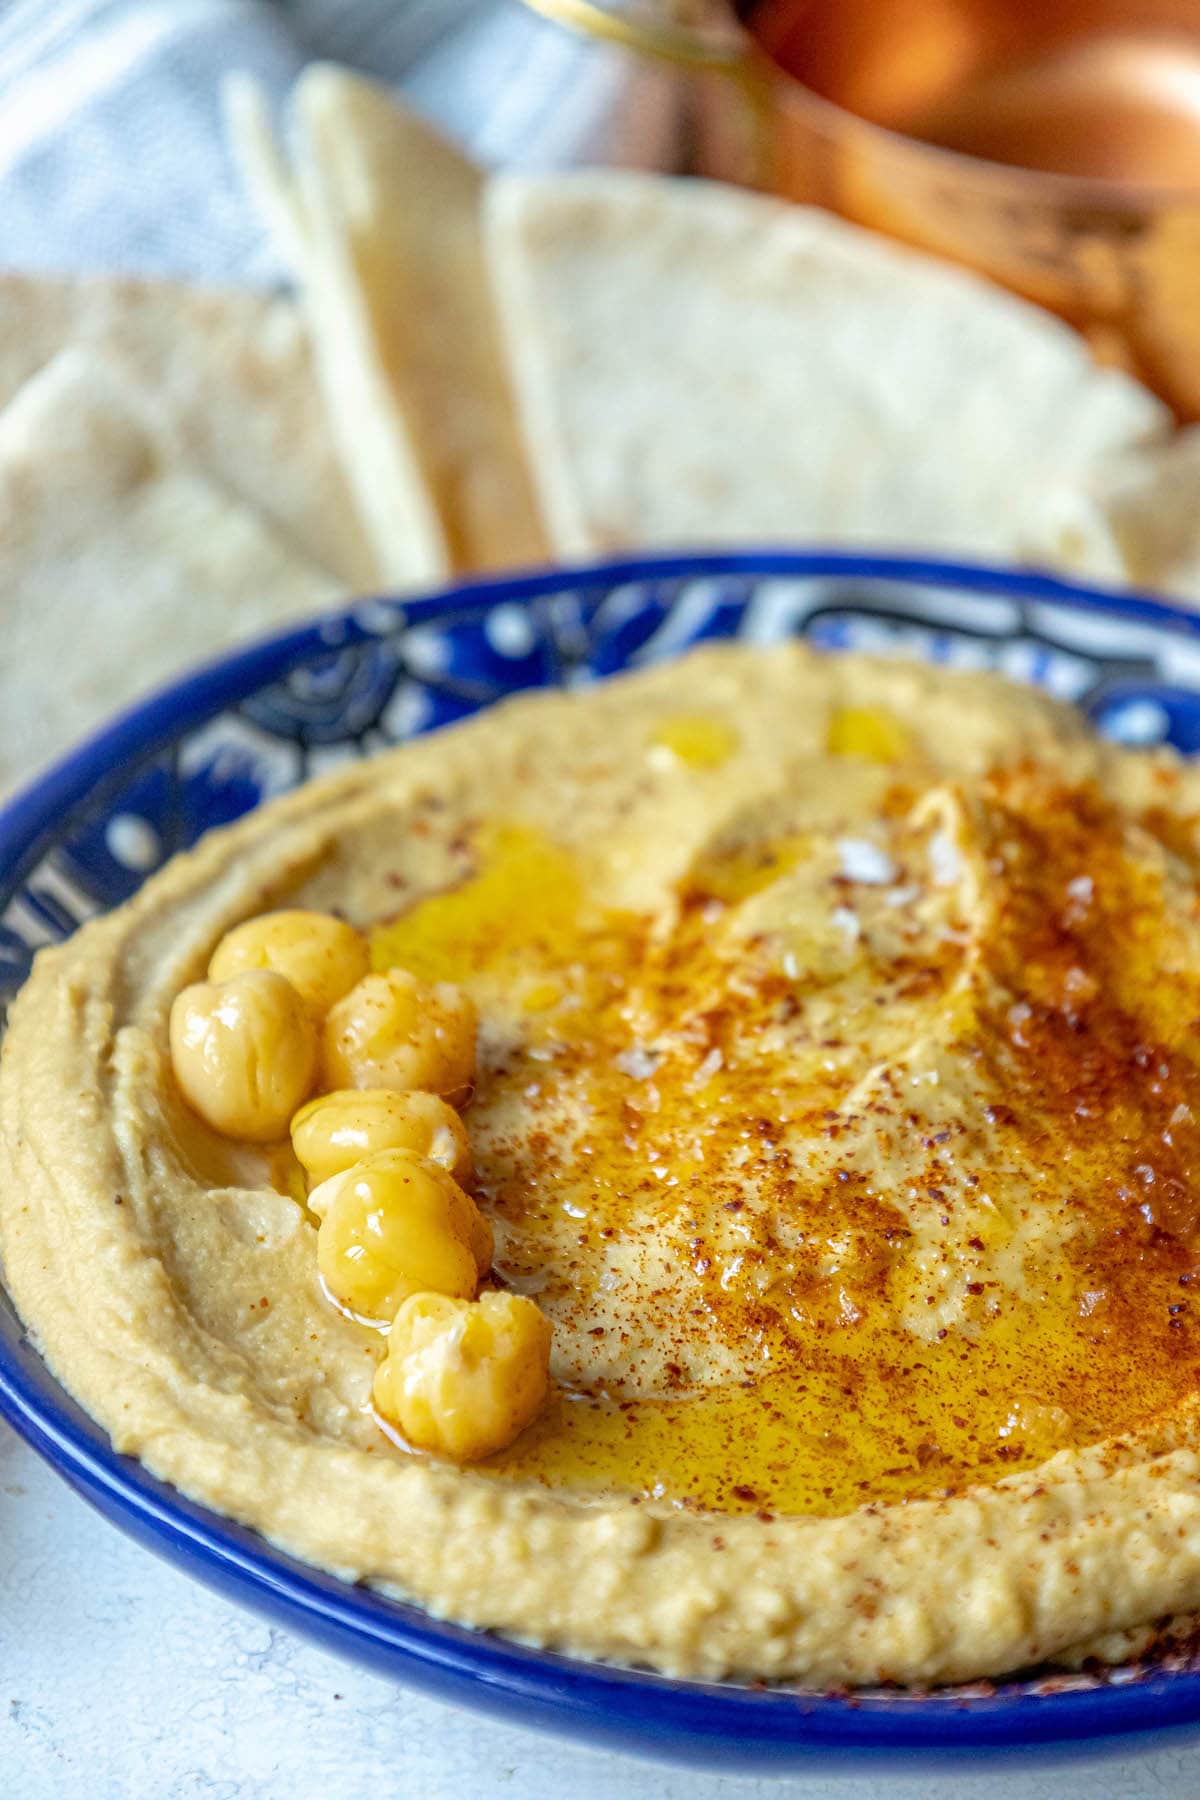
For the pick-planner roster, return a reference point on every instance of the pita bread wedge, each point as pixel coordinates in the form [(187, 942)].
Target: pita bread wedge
[(696, 364), (229, 377), (1136, 521), (381, 217), (1151, 502), (117, 567)]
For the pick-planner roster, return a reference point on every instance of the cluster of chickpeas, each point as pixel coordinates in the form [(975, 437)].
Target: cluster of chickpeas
[(290, 1006)]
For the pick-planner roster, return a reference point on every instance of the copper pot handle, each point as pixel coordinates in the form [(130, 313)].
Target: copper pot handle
[(693, 33)]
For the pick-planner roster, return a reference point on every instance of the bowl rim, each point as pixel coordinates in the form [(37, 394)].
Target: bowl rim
[(646, 1705), (1055, 187), (982, 175)]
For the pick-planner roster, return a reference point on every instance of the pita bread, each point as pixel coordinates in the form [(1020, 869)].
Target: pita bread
[(117, 568), (229, 377), (696, 364), (381, 219), (1136, 522), (1151, 504)]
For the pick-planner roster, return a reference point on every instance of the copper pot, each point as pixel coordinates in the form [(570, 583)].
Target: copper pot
[(916, 116)]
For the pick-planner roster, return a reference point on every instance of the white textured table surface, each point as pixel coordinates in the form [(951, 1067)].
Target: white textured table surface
[(122, 1680)]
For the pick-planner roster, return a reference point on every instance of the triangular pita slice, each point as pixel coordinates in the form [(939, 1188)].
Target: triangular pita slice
[(695, 364), (229, 378), (380, 217), (117, 568), (1151, 503)]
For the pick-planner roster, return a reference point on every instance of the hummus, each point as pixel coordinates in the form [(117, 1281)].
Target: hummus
[(839, 1103)]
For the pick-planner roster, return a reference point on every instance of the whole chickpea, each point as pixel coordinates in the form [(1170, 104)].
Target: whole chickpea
[(321, 956), (394, 1031), (244, 1053), (339, 1129)]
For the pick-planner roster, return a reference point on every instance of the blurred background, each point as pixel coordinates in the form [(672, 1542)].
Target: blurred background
[(111, 152)]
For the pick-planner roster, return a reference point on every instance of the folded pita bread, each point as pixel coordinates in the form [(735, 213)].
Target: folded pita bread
[(381, 219), (117, 567), (695, 364), (1151, 504), (228, 375)]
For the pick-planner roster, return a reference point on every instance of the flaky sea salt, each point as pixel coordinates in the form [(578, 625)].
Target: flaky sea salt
[(846, 919), (865, 862), (707, 1069), (944, 859)]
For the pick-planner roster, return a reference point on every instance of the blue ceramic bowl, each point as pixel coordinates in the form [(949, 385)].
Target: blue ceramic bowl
[(259, 722)]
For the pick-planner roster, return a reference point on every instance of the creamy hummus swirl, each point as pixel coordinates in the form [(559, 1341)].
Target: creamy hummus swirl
[(839, 1101)]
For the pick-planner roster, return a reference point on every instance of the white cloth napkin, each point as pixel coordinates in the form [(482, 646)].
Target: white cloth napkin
[(111, 153)]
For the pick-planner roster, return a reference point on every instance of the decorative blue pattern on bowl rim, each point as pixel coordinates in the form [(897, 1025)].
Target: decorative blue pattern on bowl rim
[(261, 720)]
